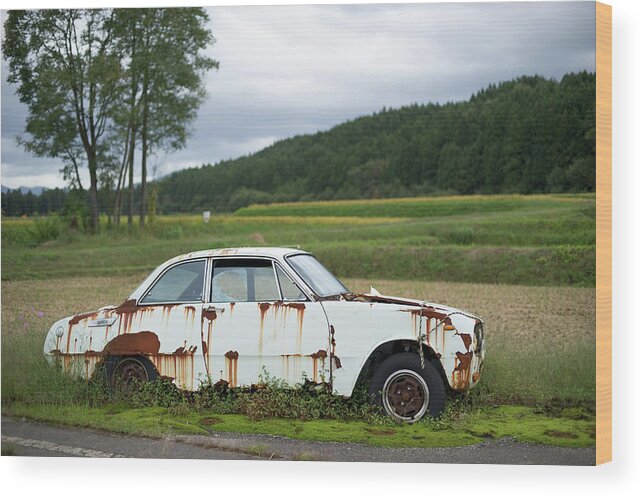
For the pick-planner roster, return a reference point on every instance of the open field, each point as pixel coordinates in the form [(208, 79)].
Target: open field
[(419, 206), (546, 240)]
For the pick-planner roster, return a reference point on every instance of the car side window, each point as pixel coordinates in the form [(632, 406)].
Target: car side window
[(182, 283), (243, 280), (289, 289)]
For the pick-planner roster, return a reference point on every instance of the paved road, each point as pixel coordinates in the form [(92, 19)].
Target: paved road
[(36, 439)]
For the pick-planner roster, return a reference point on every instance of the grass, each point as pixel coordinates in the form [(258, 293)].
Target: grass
[(414, 207), (8, 449), (260, 450), (521, 423), (542, 240)]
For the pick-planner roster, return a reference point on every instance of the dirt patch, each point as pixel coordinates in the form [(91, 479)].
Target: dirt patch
[(257, 238), (210, 421), (560, 434), (381, 431)]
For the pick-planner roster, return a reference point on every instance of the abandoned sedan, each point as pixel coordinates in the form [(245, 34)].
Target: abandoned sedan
[(234, 314)]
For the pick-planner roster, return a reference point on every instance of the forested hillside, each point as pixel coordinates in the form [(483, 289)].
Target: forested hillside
[(528, 135)]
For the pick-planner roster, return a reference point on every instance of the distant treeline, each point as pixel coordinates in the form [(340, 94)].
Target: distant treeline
[(528, 135), (16, 203)]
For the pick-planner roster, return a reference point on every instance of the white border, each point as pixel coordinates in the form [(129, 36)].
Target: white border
[(64, 476)]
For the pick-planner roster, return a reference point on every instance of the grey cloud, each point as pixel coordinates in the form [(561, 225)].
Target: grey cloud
[(299, 69)]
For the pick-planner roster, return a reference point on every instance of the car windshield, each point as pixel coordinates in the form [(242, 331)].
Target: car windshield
[(320, 279)]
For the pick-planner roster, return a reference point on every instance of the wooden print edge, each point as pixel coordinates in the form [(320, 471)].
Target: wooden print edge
[(603, 233)]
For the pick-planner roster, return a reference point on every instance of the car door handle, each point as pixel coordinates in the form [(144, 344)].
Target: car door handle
[(216, 309)]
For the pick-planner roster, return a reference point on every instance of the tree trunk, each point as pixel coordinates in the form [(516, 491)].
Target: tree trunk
[(130, 209), (93, 190), (121, 184), (143, 154), (133, 127)]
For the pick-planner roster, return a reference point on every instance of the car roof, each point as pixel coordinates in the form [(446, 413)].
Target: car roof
[(277, 252)]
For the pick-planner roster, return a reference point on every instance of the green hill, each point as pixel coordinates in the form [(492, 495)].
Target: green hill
[(528, 135)]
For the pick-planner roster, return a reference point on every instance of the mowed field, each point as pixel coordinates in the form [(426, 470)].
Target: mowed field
[(524, 263)]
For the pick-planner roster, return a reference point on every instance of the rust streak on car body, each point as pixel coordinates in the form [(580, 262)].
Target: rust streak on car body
[(301, 309), (462, 371), (126, 312), (91, 359), (210, 316), (185, 350), (333, 356), (232, 359), (263, 309), (126, 306), (167, 309), (189, 312), (69, 327), (429, 312), (320, 356), (466, 340), (178, 365), (74, 321), (82, 317)]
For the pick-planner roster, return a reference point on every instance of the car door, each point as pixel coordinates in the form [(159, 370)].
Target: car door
[(171, 309), (258, 325)]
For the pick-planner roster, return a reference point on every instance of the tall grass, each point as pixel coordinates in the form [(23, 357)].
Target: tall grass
[(27, 377)]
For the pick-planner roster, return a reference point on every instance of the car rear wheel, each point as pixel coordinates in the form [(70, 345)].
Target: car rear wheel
[(405, 391), (126, 371)]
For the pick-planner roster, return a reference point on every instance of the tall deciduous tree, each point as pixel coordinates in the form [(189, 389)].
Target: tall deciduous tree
[(68, 75), (165, 69), (99, 82)]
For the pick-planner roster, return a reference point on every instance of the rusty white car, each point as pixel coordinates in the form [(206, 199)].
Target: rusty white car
[(233, 314)]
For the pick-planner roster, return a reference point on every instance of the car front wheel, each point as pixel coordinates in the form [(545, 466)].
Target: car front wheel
[(405, 391)]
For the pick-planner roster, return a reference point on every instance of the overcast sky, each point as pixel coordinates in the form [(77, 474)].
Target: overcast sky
[(294, 70)]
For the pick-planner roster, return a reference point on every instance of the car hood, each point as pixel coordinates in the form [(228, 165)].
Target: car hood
[(375, 296)]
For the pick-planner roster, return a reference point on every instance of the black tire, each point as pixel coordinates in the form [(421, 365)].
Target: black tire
[(405, 391), (123, 371)]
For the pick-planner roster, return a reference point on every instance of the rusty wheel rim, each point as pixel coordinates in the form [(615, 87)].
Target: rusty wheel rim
[(130, 371), (405, 396)]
